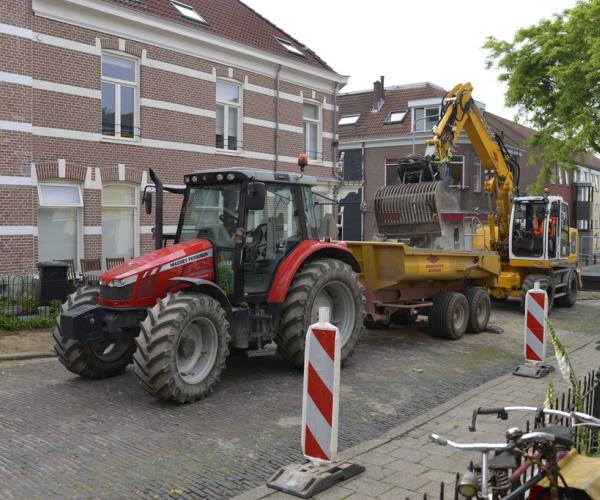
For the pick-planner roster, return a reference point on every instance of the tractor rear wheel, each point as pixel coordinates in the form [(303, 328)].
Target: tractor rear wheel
[(449, 315), (480, 308), (182, 347), (96, 359), (320, 283)]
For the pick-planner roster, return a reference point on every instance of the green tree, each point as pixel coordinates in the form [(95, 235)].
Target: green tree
[(552, 70)]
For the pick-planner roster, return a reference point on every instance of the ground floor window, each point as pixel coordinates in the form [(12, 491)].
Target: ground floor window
[(119, 226), (59, 222)]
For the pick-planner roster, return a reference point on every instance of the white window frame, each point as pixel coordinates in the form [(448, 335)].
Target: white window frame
[(240, 119), (290, 47), (318, 123), (350, 120), (414, 127), (477, 176), (78, 210), (118, 83), (188, 11), (44, 204), (462, 184), (136, 214), (388, 120)]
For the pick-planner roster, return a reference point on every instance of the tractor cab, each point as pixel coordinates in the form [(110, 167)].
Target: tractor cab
[(539, 229), (253, 219)]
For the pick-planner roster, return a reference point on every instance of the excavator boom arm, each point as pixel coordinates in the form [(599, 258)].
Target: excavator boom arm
[(460, 113)]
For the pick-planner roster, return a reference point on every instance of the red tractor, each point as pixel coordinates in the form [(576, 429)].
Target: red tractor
[(247, 268)]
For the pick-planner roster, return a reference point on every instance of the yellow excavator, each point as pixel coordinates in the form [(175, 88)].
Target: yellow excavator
[(530, 233)]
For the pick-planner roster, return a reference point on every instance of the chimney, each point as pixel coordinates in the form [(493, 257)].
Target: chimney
[(378, 94)]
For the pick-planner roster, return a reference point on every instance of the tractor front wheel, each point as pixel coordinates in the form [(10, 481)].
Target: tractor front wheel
[(320, 283), (182, 347), (102, 358)]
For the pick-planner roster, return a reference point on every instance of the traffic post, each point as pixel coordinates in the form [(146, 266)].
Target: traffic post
[(535, 329), (320, 405)]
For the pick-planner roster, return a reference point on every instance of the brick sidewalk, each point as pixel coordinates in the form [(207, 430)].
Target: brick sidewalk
[(405, 464)]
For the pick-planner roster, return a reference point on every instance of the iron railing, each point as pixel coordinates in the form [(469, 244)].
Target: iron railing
[(21, 304)]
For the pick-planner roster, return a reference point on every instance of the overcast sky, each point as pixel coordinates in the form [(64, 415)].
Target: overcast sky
[(409, 41)]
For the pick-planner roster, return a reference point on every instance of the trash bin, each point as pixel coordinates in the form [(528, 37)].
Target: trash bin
[(54, 284)]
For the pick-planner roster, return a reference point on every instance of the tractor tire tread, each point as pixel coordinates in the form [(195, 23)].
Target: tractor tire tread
[(295, 319), (78, 357), (155, 359)]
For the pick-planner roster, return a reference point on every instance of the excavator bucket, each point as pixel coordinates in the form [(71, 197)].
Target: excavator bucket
[(412, 210)]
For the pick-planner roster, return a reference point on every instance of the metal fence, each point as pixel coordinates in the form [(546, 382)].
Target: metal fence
[(21, 304)]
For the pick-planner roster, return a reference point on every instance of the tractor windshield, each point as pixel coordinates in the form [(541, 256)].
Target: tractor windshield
[(212, 211)]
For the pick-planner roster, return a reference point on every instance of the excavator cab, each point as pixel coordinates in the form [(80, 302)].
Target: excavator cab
[(539, 229)]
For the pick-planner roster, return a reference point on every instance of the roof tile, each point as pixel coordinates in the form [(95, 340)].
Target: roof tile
[(230, 19)]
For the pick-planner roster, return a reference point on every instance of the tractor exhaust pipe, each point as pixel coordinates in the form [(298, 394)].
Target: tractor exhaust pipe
[(158, 224)]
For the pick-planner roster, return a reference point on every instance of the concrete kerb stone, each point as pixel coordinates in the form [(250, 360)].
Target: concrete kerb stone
[(26, 355), (437, 412)]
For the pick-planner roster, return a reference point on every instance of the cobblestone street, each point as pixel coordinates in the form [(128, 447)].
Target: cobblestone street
[(65, 436)]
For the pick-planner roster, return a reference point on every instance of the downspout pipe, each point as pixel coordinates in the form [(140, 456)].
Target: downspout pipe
[(334, 142), (277, 74), (362, 191)]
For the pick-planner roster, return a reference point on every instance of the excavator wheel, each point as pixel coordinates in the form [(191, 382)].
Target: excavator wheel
[(570, 298), (95, 359), (320, 283), (449, 315), (182, 347), (546, 283), (480, 308)]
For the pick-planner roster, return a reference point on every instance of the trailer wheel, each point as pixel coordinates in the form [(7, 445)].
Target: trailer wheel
[(570, 298), (319, 283), (546, 283), (449, 315), (96, 359), (479, 309), (182, 347)]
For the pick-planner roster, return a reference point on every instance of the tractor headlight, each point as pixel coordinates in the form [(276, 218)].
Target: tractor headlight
[(123, 281), (120, 289)]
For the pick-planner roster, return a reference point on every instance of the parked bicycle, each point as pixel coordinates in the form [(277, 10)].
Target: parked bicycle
[(560, 473)]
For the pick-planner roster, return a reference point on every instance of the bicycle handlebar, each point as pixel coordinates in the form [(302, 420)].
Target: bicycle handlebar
[(502, 413), (536, 436)]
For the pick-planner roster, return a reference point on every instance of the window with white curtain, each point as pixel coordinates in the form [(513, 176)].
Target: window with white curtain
[(312, 130), (119, 221), (228, 116), (59, 222)]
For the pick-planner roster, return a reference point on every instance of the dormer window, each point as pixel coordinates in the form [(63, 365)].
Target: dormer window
[(395, 117), (189, 12), (289, 46), (348, 119)]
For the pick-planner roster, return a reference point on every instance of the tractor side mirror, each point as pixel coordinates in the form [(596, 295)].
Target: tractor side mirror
[(256, 196), (147, 201)]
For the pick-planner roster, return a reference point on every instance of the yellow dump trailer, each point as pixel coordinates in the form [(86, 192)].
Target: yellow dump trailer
[(450, 286)]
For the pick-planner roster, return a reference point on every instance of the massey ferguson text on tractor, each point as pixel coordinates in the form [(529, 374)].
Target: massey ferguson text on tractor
[(247, 267)]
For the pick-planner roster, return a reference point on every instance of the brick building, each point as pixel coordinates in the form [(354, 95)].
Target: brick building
[(378, 126), (95, 92)]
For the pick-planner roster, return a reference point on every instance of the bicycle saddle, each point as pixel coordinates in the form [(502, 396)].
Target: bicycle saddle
[(562, 435)]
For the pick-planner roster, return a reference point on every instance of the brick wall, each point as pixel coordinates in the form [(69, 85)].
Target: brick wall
[(66, 120)]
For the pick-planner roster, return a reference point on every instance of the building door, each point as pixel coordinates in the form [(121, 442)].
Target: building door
[(351, 218)]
